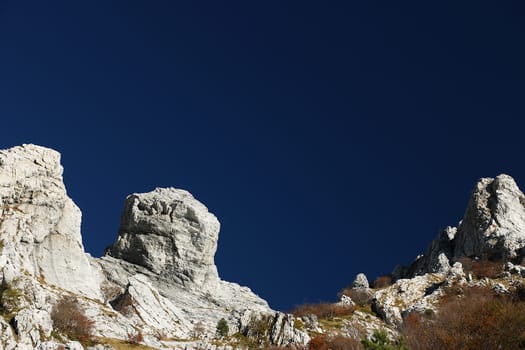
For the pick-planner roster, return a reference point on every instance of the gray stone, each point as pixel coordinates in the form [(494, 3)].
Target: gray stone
[(360, 281), (159, 277), (40, 224), (494, 222), (170, 233), (436, 259)]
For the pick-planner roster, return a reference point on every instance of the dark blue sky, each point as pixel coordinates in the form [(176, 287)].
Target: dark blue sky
[(329, 138)]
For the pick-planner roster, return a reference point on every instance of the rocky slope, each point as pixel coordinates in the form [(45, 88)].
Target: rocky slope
[(158, 285)]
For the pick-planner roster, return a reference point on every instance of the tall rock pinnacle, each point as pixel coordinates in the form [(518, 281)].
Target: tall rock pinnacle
[(170, 233), (493, 227), (494, 222)]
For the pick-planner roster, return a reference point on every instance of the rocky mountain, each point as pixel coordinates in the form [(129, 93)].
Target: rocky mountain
[(157, 286), (157, 282)]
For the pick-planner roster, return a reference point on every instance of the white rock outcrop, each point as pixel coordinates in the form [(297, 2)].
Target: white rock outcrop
[(171, 234), (40, 224), (169, 239), (158, 283), (494, 222), (493, 227), (158, 280)]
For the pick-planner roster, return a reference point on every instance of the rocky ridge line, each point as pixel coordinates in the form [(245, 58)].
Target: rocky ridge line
[(158, 280)]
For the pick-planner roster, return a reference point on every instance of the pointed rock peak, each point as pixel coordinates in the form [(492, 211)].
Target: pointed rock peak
[(494, 222)]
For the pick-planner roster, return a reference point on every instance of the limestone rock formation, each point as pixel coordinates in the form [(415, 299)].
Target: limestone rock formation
[(493, 227), (171, 234), (158, 284), (158, 279), (167, 241), (436, 259), (40, 224), (494, 222)]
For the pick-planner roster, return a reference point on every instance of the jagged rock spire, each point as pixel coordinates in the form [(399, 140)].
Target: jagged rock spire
[(493, 227), (494, 222)]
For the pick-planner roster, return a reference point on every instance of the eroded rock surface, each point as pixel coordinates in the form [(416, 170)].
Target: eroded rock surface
[(171, 234), (494, 222), (158, 279), (169, 239), (492, 228), (40, 224)]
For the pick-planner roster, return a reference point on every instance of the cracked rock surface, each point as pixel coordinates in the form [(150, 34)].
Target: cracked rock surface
[(158, 279)]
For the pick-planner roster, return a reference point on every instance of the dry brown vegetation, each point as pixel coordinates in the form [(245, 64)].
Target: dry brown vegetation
[(323, 342), (359, 296), (468, 319), (482, 268), (382, 282), (135, 338), (323, 310), (70, 320), (124, 345)]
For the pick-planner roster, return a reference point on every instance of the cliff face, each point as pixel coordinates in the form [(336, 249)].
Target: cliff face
[(158, 279), (158, 284), (40, 224)]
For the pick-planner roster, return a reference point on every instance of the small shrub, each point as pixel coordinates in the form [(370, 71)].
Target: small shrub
[(380, 341), (199, 329), (70, 320), (338, 342), (222, 328), (287, 347), (382, 282), (482, 268), (360, 296), (477, 318), (323, 310), (10, 300), (344, 343), (258, 328), (135, 338), (318, 342), (519, 294), (298, 324)]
